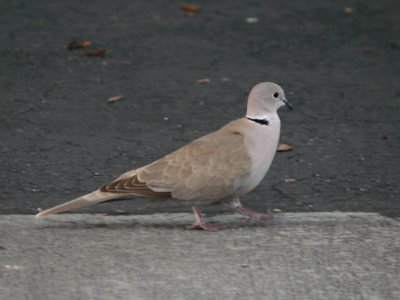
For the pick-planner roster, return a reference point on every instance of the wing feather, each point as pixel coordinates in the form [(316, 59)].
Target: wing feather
[(205, 169)]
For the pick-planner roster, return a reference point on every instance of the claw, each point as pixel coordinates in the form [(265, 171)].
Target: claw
[(199, 224), (252, 216)]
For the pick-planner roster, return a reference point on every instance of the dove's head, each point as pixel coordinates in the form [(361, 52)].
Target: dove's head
[(265, 98)]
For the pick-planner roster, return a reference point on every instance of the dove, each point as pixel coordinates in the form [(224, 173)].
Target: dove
[(219, 167)]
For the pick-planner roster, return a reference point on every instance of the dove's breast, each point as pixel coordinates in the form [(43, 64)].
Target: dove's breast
[(261, 142)]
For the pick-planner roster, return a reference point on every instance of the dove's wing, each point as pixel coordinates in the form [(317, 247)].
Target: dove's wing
[(209, 168)]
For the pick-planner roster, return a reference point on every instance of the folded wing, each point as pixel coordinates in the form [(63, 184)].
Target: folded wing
[(206, 169)]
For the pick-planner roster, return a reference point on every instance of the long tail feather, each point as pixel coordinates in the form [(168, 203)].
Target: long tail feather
[(86, 200)]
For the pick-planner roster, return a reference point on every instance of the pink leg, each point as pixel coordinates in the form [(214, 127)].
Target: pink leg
[(198, 223), (253, 217)]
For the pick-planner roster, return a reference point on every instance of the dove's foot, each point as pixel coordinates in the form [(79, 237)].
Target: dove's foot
[(199, 224), (252, 216)]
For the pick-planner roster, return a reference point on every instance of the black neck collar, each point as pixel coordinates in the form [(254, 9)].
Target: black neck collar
[(260, 121)]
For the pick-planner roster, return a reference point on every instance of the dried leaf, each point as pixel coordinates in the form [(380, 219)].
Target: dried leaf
[(97, 53), (386, 137), (190, 8), (115, 99), (348, 10), (86, 44), (203, 80), (276, 210), (76, 44), (285, 147)]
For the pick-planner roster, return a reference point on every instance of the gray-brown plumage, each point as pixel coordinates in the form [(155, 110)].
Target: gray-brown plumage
[(193, 172), (220, 166)]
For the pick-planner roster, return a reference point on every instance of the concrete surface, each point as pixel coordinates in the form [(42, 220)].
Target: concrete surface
[(59, 138), (296, 256)]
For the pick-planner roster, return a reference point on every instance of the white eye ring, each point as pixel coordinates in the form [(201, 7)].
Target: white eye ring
[(275, 95)]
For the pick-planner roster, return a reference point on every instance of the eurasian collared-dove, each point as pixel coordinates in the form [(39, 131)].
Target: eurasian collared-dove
[(218, 167)]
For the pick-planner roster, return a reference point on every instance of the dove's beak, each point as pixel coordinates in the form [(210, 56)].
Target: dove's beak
[(288, 104)]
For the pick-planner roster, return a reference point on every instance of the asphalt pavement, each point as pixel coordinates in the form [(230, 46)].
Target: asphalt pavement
[(60, 138)]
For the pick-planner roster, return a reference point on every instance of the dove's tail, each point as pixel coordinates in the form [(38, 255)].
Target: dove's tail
[(86, 200)]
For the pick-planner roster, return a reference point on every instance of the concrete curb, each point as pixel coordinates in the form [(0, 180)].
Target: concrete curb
[(296, 256)]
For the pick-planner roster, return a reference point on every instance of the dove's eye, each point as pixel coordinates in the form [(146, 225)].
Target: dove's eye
[(275, 95)]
